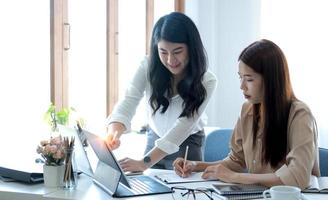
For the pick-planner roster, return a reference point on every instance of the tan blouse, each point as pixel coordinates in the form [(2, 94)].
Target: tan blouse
[(302, 157)]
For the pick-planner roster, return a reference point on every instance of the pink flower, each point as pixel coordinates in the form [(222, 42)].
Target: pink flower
[(47, 149), (44, 142), (59, 154), (56, 140), (53, 149)]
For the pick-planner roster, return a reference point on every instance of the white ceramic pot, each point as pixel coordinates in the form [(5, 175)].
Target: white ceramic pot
[(53, 175)]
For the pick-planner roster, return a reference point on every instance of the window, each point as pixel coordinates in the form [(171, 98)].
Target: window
[(24, 75), (303, 38), (61, 51), (101, 62), (131, 48), (87, 61)]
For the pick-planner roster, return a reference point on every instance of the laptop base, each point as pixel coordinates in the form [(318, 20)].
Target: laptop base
[(151, 186)]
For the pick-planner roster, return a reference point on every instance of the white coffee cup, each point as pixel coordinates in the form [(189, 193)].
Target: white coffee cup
[(285, 192)]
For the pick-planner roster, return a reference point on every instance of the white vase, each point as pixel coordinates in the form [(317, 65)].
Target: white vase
[(53, 175)]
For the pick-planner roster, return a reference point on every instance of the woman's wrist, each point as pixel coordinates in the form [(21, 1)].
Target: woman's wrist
[(237, 177), (244, 178), (199, 166), (145, 163), (193, 166), (116, 127)]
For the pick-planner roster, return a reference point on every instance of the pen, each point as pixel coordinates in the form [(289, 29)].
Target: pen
[(185, 159)]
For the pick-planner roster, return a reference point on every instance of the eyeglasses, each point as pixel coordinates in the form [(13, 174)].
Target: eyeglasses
[(183, 193)]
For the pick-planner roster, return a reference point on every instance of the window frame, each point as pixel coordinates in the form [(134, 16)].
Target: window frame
[(59, 41), (58, 49)]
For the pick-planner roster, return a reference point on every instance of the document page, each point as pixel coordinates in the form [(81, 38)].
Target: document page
[(323, 184), (318, 184), (171, 177)]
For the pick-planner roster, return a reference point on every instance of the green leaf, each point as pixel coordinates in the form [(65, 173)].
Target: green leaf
[(53, 118)]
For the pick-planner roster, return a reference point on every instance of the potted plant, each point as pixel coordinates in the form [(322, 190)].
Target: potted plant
[(53, 117), (53, 151), (53, 155)]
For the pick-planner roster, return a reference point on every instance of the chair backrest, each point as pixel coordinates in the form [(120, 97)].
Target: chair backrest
[(217, 145), (323, 161)]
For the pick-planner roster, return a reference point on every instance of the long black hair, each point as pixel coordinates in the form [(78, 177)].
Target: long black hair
[(267, 59), (178, 28)]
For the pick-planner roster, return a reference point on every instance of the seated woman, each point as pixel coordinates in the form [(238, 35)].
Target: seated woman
[(275, 138)]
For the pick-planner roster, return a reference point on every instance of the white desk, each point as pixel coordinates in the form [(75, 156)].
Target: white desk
[(20, 191), (87, 190)]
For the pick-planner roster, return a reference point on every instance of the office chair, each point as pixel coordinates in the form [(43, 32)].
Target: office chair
[(217, 145), (323, 161)]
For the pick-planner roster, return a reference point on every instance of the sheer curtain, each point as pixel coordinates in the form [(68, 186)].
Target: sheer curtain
[(299, 28)]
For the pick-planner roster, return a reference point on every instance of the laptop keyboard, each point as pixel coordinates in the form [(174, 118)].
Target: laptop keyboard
[(140, 187)]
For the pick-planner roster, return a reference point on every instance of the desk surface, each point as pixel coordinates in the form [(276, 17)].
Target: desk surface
[(86, 190), (17, 191)]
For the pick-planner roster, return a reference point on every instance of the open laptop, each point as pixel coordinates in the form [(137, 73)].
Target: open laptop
[(111, 178)]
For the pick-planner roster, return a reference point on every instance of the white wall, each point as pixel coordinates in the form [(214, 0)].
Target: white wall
[(226, 27), (303, 38)]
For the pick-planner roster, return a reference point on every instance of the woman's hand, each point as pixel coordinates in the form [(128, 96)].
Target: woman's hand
[(220, 172), (115, 130), (189, 167), (113, 140), (128, 164)]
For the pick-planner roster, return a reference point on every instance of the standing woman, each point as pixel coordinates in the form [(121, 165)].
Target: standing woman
[(275, 138), (178, 86)]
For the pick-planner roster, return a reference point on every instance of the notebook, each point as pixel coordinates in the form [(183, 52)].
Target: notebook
[(9, 174), (21, 169), (318, 185), (240, 191), (170, 177), (111, 178), (242, 196)]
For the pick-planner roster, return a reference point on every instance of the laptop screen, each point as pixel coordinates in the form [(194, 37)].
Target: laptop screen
[(105, 155), (110, 177)]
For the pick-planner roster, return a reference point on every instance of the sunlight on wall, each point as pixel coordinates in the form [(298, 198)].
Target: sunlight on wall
[(299, 28)]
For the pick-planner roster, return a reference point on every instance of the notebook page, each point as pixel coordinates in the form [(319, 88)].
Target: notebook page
[(172, 177), (323, 183), (314, 185)]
